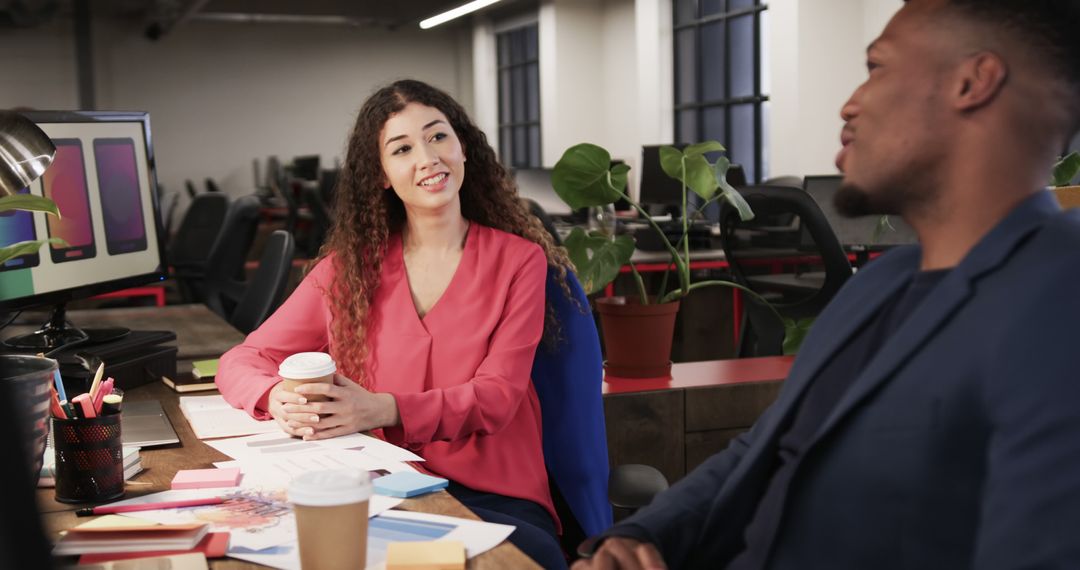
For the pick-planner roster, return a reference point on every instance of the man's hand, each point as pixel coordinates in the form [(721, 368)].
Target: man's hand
[(623, 554), (351, 409), (296, 424)]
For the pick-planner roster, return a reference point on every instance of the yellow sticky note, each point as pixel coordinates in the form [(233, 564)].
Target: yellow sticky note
[(116, 521), (435, 555)]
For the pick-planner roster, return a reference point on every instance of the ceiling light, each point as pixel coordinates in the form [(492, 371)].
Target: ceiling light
[(448, 15)]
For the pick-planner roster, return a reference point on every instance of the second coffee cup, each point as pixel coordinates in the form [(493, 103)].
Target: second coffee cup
[(305, 368)]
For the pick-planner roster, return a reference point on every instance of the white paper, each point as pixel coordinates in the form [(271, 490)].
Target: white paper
[(279, 444), (478, 537), (213, 417), (278, 472)]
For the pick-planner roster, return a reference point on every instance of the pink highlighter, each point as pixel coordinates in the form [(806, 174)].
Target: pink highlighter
[(105, 389), (86, 406)]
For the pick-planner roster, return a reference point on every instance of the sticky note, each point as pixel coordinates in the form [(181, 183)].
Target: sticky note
[(406, 484), (436, 555), (206, 478)]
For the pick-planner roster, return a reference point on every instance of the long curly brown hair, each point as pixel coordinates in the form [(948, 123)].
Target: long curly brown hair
[(367, 214)]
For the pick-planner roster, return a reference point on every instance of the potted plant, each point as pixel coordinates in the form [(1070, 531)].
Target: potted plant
[(638, 330), (1065, 181)]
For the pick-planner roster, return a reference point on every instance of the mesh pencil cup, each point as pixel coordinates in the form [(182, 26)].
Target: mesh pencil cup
[(89, 459)]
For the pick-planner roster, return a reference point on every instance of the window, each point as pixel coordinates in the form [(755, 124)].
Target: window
[(718, 78), (519, 97)]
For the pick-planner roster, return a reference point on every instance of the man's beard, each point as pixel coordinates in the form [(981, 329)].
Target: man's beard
[(852, 201)]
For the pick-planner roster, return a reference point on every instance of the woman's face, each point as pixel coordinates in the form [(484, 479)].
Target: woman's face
[(422, 159)]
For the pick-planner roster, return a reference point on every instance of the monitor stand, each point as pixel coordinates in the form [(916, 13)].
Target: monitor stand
[(57, 333)]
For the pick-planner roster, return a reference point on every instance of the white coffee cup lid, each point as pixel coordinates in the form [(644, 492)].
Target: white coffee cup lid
[(307, 365), (330, 488)]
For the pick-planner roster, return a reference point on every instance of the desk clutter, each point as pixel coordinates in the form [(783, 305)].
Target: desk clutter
[(241, 508), (201, 377)]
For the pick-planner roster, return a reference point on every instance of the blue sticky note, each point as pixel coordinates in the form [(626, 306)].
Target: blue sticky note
[(407, 484)]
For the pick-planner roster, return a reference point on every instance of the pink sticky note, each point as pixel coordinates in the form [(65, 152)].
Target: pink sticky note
[(206, 478)]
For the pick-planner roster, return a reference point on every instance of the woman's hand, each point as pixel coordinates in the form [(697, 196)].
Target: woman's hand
[(292, 423), (351, 409)]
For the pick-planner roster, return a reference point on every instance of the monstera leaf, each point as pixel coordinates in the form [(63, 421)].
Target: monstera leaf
[(31, 203), (584, 177), (597, 257)]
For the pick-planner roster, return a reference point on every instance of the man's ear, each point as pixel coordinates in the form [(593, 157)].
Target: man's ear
[(980, 79)]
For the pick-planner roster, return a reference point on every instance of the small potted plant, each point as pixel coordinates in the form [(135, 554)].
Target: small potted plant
[(638, 330), (1065, 181)]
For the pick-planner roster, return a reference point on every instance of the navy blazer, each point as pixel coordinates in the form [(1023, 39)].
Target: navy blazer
[(958, 446)]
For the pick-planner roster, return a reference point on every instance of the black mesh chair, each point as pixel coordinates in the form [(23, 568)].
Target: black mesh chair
[(212, 186), (795, 296), (190, 247), (320, 220), (545, 219), (224, 284), (267, 287)]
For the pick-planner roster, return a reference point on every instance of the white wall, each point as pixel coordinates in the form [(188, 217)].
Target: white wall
[(816, 59), (222, 94)]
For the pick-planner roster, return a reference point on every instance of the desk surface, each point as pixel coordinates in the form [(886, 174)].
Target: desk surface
[(200, 333), (161, 464), (705, 374)]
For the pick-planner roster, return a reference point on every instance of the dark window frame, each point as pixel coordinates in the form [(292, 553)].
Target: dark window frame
[(697, 103), (517, 120)]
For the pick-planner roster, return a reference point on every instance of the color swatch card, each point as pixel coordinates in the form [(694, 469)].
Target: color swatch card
[(407, 484)]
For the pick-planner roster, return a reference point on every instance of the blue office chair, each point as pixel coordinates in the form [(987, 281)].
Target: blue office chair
[(568, 380)]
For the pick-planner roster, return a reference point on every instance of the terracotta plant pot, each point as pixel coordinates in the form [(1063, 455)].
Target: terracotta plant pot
[(1068, 196), (637, 338)]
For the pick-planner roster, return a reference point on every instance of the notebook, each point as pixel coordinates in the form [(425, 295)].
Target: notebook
[(144, 424), (147, 538), (212, 417)]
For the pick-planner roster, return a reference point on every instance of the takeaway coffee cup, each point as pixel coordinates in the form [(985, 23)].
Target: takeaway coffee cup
[(331, 510), (305, 367)]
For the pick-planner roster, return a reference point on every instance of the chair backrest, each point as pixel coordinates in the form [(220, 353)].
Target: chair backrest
[(568, 379), (198, 229), (224, 282), (212, 186), (320, 217), (190, 187), (266, 290), (776, 201), (537, 210)]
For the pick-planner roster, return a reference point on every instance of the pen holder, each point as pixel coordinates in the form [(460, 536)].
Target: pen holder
[(89, 459)]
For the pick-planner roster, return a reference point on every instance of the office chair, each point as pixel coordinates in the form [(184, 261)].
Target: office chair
[(545, 219), (190, 187), (224, 284), (266, 290), (170, 213), (320, 220), (793, 181), (189, 248), (568, 379), (762, 334), (212, 186)]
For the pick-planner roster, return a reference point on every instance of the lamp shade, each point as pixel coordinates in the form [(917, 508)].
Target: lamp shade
[(25, 152)]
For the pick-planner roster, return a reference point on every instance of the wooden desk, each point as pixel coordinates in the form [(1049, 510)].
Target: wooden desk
[(674, 424), (160, 465), (202, 334)]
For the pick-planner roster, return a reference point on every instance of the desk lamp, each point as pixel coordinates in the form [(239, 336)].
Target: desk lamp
[(25, 152)]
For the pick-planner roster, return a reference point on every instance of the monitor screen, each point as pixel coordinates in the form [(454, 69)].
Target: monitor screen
[(855, 232), (660, 189), (103, 181), (535, 184)]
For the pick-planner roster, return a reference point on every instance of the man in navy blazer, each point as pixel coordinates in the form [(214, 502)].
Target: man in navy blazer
[(932, 417)]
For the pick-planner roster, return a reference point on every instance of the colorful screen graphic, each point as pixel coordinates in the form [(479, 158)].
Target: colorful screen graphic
[(16, 226), (121, 202), (65, 184)]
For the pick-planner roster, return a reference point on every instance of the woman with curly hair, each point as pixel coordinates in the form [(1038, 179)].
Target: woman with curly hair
[(429, 294)]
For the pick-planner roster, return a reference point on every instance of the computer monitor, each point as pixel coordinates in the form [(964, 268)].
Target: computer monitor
[(306, 167), (103, 181), (855, 233), (659, 189), (535, 184)]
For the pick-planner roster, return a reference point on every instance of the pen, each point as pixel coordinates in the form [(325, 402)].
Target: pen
[(111, 404), (110, 509), (59, 384)]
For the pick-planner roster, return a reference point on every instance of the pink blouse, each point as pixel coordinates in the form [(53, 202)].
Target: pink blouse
[(460, 375)]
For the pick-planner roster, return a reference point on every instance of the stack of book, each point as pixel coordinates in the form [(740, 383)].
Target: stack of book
[(47, 478), (136, 536), (201, 377)]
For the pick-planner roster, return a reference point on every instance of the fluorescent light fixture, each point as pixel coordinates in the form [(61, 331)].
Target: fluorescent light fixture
[(458, 12)]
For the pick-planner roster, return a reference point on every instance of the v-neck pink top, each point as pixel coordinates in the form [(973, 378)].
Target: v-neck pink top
[(460, 375)]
